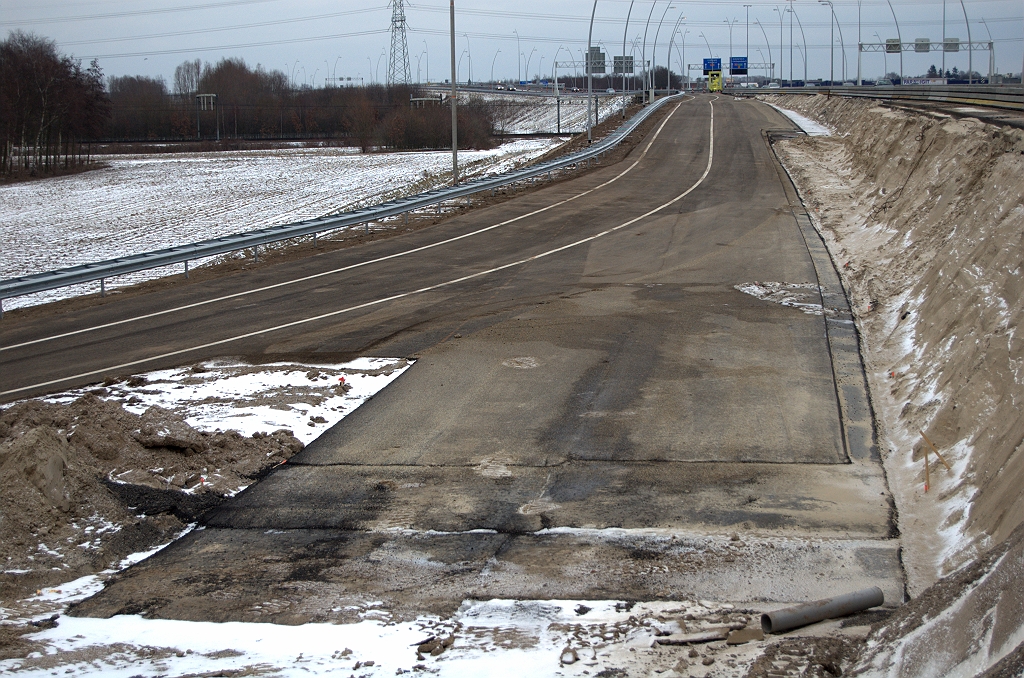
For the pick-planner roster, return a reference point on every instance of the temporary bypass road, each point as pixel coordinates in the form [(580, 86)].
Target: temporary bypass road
[(595, 410)]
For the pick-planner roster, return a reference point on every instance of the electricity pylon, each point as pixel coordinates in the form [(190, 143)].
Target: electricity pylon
[(399, 71)]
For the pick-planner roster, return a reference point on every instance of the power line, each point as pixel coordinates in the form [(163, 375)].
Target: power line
[(140, 12), (222, 29), (264, 43)]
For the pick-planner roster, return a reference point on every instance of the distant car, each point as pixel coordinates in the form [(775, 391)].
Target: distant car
[(575, 89), (849, 83), (883, 82), (610, 90), (774, 85), (499, 88), (512, 89)]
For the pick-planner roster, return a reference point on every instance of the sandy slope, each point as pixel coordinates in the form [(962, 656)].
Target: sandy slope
[(924, 217)]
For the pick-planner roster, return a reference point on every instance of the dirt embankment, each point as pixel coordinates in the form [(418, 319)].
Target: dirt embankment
[(924, 217), (86, 484)]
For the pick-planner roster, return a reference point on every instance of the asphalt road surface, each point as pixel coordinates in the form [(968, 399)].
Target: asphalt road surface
[(595, 412)]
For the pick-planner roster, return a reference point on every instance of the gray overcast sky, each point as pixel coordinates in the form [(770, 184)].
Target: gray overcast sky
[(308, 38)]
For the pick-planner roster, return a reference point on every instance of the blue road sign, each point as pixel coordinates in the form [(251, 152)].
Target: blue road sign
[(712, 65), (738, 65)]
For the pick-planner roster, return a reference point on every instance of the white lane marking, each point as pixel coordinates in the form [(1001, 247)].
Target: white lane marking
[(351, 266), (429, 288)]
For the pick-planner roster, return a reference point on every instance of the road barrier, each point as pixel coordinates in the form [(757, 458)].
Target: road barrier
[(988, 96), (76, 275)]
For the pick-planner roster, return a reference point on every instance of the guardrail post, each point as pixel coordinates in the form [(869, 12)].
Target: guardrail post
[(186, 269), (103, 287), (1, 309), (314, 240), (256, 252)]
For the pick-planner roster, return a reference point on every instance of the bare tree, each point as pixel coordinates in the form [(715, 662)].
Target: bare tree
[(186, 78), (48, 105)]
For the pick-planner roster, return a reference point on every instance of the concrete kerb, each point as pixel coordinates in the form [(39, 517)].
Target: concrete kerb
[(856, 414)]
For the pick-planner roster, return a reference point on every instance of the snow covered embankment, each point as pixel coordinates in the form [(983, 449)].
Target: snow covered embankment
[(925, 219)]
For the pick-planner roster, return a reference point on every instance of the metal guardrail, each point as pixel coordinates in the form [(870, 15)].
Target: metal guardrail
[(76, 275), (1007, 97)]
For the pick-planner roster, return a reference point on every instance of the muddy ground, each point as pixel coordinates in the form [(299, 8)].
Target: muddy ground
[(86, 484)]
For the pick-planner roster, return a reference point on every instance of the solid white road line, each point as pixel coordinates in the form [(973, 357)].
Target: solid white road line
[(377, 302), (351, 266)]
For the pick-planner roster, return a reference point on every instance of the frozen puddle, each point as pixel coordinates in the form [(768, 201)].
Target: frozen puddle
[(803, 296), (221, 395), (810, 128)]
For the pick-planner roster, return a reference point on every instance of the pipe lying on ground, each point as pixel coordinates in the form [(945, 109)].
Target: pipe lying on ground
[(819, 610)]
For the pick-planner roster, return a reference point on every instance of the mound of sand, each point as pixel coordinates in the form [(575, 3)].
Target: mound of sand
[(923, 215), (85, 484)]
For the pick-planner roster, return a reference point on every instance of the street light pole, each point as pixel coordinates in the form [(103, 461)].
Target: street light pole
[(519, 63), (899, 36), (731, 24), (769, 45), (859, 52), (590, 74), (654, 51), (427, 51), (643, 51), (831, 45), (455, 104), (804, 37), (885, 57), (991, 51), (746, 49), (781, 64), (970, 52), (624, 32), (790, 43), (492, 65), (671, 41)]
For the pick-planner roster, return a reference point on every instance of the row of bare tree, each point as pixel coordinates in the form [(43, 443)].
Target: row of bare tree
[(49, 105), (253, 103)]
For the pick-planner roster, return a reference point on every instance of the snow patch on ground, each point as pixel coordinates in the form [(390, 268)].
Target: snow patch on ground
[(809, 127), (219, 395), (795, 295), (494, 637)]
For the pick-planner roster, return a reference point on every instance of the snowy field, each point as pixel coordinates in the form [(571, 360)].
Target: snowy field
[(525, 115), (529, 114), (147, 202)]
